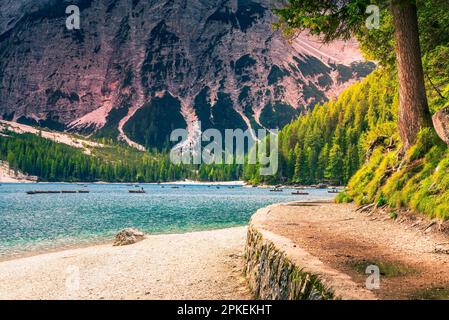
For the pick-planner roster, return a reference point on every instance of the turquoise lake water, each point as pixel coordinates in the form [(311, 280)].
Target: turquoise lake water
[(47, 221)]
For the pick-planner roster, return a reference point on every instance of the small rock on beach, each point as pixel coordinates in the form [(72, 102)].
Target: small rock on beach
[(128, 236)]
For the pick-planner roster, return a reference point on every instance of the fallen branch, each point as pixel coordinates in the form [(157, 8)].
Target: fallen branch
[(429, 225), (365, 208)]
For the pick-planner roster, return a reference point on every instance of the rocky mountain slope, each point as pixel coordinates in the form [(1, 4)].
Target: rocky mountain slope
[(8, 175), (138, 69), (59, 137)]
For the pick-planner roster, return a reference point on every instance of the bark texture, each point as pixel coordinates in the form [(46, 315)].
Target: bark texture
[(414, 111)]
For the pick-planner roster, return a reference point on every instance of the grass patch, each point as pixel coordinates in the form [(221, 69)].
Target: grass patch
[(393, 215), (437, 293), (387, 269), (418, 181)]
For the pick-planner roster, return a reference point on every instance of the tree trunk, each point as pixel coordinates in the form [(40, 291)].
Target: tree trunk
[(414, 111)]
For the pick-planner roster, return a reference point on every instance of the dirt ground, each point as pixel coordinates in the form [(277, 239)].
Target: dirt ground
[(412, 255)]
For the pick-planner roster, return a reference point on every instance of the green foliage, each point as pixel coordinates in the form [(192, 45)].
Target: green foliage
[(381, 201), (343, 197), (330, 19), (393, 215), (343, 19), (334, 164), (364, 177), (419, 180)]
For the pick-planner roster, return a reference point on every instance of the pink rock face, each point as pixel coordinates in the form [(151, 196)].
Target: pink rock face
[(128, 53), (441, 124)]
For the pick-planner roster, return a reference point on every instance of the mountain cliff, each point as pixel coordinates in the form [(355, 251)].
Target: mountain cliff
[(138, 69)]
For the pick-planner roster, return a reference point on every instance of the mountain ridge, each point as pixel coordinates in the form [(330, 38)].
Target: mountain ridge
[(219, 62)]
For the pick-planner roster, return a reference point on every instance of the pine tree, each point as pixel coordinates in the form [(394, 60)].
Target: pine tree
[(334, 170)]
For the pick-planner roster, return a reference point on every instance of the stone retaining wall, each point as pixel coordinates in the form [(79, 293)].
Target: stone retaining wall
[(272, 276), (277, 269)]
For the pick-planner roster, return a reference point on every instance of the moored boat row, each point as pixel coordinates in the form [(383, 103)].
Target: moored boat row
[(56, 192)]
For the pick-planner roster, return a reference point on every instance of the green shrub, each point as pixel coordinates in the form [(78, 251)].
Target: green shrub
[(381, 201), (344, 197)]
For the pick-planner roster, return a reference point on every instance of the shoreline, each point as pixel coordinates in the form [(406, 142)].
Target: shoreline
[(238, 183), (149, 269), (110, 240), (99, 242), (186, 183)]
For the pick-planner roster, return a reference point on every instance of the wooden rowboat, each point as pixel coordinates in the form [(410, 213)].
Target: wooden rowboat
[(43, 192), (300, 193), (137, 191)]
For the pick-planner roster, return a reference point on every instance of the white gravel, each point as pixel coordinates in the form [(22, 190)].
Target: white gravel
[(200, 265)]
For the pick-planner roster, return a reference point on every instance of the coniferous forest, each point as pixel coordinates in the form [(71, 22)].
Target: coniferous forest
[(52, 161), (330, 142)]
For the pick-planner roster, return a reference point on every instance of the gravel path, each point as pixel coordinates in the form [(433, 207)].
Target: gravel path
[(414, 261)]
